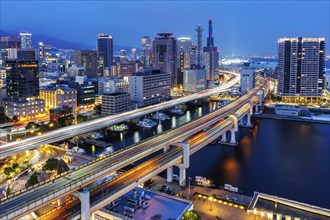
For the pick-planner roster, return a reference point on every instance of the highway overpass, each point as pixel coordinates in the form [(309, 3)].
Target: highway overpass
[(35, 197), (96, 124)]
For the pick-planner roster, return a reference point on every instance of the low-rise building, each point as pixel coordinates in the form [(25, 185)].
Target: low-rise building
[(24, 109), (291, 110), (194, 80), (58, 95), (115, 103), (56, 113), (149, 86)]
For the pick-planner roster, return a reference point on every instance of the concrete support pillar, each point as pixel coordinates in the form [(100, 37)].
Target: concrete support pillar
[(84, 204), (182, 176), (185, 163), (260, 99), (169, 174), (251, 108), (186, 155), (248, 119), (241, 121), (166, 148), (256, 110), (223, 137), (232, 136), (61, 201)]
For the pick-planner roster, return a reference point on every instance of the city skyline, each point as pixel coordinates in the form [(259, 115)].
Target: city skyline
[(237, 31)]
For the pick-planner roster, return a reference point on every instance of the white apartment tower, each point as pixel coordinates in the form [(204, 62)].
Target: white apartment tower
[(301, 66)]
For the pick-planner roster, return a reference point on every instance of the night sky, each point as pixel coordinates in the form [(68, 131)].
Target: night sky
[(240, 27)]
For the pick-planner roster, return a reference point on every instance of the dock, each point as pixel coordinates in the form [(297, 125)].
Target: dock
[(97, 143)]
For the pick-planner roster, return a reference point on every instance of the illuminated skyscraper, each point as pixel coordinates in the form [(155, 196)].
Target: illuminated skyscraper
[(211, 54), (146, 53), (104, 49), (26, 40), (88, 60), (301, 66), (183, 56), (164, 55)]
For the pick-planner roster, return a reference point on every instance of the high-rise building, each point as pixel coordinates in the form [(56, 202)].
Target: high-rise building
[(88, 60), (104, 51), (164, 55), (146, 53), (149, 86), (26, 40), (183, 56), (22, 74), (301, 66), (133, 54), (8, 42), (44, 51), (248, 79), (211, 54)]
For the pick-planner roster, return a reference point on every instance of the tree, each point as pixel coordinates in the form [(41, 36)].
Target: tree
[(33, 180), (8, 170), (51, 164), (8, 191), (15, 166), (98, 109), (190, 215), (15, 119), (32, 125)]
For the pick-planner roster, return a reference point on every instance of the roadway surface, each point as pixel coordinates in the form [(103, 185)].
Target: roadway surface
[(89, 126), (104, 191), (128, 155)]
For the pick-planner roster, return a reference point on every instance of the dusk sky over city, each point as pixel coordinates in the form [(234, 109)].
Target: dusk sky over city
[(240, 28)]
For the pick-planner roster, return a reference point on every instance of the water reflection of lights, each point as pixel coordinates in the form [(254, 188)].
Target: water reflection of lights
[(136, 137), (200, 111), (159, 128), (231, 169), (173, 122), (188, 116)]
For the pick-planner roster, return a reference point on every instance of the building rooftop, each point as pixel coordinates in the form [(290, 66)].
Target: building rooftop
[(158, 204), (147, 72)]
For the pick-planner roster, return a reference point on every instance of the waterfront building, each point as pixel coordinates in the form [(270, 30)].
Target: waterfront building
[(26, 40), (248, 79), (56, 96), (115, 103), (88, 60), (149, 86), (164, 55), (301, 67), (194, 79)]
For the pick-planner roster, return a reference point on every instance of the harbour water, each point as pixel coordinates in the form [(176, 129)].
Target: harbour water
[(284, 158)]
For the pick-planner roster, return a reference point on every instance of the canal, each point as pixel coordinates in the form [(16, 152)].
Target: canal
[(283, 158)]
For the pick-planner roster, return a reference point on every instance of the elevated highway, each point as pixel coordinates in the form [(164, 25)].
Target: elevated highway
[(107, 192), (96, 124), (25, 201)]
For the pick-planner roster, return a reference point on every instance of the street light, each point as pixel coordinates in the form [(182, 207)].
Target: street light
[(189, 179), (211, 199)]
